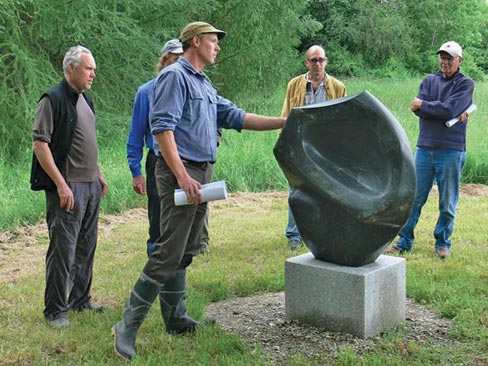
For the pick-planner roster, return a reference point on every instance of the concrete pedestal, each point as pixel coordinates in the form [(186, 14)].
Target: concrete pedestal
[(362, 301)]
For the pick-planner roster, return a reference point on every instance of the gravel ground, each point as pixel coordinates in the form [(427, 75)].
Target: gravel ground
[(261, 319)]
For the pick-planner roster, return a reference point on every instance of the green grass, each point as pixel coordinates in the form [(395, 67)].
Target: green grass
[(396, 96), (248, 251), (245, 160), (247, 257)]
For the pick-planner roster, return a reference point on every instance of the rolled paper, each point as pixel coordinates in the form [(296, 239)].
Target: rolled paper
[(453, 121), (209, 192)]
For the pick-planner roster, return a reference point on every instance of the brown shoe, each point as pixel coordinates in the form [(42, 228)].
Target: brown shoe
[(442, 252), (294, 244), (394, 250)]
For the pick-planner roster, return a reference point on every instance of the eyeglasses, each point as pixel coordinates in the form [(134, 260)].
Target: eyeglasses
[(320, 60), (447, 58)]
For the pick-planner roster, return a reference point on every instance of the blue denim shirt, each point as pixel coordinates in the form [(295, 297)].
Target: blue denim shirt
[(140, 131), (185, 102)]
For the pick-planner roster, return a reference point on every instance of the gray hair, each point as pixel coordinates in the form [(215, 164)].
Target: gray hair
[(73, 56)]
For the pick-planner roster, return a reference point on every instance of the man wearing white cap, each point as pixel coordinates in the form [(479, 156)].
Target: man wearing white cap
[(185, 114), (140, 135), (441, 150)]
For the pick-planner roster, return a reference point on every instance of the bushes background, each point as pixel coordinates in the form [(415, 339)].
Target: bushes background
[(388, 44), (263, 49)]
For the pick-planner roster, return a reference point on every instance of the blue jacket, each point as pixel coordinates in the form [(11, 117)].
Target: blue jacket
[(140, 129), (443, 99)]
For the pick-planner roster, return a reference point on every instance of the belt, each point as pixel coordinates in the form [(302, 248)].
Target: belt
[(198, 164)]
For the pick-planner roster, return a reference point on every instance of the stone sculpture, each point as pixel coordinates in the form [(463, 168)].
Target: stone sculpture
[(351, 171)]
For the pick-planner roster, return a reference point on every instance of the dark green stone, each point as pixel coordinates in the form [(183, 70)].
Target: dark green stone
[(351, 171)]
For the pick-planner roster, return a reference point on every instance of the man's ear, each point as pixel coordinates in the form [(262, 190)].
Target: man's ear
[(71, 67), (196, 41)]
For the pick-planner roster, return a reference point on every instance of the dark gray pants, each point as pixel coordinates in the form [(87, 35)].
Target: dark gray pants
[(181, 226), (72, 244), (153, 204)]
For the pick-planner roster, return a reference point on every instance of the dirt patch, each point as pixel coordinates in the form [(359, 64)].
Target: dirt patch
[(261, 319), (474, 190), (22, 251)]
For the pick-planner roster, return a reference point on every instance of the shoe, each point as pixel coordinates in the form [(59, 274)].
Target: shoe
[(96, 308), (58, 323), (294, 244), (203, 248), (394, 250), (442, 252)]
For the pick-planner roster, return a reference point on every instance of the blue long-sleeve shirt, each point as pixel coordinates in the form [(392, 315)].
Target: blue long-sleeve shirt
[(185, 102), (140, 129), (443, 99)]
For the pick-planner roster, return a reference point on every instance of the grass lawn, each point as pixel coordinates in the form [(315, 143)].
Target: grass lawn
[(248, 250)]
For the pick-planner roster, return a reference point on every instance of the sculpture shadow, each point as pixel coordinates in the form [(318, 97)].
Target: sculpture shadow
[(352, 177)]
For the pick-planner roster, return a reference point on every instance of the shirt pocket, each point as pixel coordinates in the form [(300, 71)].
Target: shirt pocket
[(212, 99), (193, 106), (195, 95)]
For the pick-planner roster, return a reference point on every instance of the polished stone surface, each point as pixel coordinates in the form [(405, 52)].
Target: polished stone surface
[(351, 171)]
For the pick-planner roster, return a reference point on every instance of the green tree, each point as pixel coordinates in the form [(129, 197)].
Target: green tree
[(125, 37), (437, 21), (372, 36), (259, 52)]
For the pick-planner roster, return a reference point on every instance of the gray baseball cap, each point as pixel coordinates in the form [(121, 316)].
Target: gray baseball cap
[(172, 46)]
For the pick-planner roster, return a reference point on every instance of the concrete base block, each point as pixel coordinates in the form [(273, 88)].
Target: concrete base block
[(362, 301)]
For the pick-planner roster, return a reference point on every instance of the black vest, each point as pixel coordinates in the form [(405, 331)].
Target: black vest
[(63, 101)]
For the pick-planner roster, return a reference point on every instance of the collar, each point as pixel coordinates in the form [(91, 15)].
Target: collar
[(189, 67), (307, 78), (69, 91), (450, 77)]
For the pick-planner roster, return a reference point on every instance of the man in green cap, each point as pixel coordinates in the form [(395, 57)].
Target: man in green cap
[(185, 114)]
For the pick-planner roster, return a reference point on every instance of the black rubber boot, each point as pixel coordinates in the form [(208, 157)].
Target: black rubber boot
[(138, 304), (172, 300)]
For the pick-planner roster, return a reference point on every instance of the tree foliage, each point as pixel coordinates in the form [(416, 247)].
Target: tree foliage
[(262, 50), (368, 37), (125, 38)]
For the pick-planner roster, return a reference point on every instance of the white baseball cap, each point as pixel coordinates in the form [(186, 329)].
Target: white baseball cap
[(452, 48), (172, 46)]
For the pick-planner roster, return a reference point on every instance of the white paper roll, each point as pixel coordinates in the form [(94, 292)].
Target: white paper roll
[(210, 192), (453, 121)]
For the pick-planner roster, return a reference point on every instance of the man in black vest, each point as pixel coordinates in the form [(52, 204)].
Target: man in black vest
[(65, 167)]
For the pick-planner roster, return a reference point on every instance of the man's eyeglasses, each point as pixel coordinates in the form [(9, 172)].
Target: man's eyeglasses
[(447, 58), (320, 60)]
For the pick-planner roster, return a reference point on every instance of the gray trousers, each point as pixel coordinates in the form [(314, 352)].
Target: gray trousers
[(72, 244), (181, 226)]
